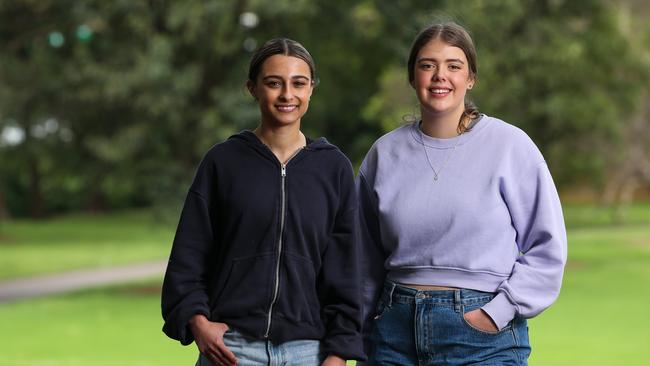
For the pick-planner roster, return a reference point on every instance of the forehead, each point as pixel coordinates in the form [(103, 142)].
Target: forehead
[(286, 66), (440, 50)]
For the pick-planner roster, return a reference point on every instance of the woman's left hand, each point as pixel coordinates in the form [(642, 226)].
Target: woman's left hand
[(480, 320), (333, 360)]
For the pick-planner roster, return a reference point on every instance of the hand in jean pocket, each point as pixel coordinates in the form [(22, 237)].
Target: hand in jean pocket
[(480, 320), (208, 337)]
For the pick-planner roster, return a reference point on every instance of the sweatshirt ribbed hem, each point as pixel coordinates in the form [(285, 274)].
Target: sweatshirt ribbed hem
[(449, 277)]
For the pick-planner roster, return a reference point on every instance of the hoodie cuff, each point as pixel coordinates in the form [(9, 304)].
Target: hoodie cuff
[(186, 336), (348, 347), (501, 310)]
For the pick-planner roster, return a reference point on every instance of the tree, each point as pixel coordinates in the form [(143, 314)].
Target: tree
[(138, 91), (563, 71), (118, 100), (629, 168)]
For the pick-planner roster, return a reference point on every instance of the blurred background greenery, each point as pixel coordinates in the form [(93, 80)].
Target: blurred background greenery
[(106, 108)]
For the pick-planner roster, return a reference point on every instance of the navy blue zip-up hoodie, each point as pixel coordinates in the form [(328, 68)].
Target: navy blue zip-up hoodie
[(270, 250)]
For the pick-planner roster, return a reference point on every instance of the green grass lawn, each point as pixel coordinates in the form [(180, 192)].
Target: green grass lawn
[(599, 318), (106, 327), (30, 247)]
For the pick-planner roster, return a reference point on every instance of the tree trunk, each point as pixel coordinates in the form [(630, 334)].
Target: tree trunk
[(36, 199), (4, 212), (96, 202)]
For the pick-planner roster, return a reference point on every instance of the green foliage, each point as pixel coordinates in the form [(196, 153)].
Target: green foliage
[(563, 71), (119, 112), (571, 78), (404, 106)]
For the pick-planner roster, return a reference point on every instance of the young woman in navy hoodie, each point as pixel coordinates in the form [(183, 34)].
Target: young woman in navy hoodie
[(264, 265)]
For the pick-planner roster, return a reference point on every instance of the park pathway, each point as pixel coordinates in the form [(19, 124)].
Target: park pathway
[(76, 280)]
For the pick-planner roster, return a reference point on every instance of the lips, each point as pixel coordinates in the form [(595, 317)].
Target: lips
[(286, 108), (439, 91)]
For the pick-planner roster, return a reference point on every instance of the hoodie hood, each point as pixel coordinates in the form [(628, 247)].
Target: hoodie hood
[(249, 138)]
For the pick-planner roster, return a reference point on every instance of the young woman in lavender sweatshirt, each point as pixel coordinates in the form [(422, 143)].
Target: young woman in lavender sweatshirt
[(463, 233)]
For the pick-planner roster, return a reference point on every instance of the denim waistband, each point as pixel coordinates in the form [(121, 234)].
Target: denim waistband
[(395, 293)]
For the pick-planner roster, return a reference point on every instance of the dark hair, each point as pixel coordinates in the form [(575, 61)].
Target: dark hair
[(279, 46), (455, 35)]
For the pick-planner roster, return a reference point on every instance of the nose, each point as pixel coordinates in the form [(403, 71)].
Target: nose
[(439, 74), (286, 92)]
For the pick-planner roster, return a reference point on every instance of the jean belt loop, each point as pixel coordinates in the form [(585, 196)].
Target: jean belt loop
[(390, 293), (457, 300)]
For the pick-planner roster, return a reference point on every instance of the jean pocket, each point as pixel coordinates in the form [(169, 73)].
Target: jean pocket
[(381, 308), (477, 329)]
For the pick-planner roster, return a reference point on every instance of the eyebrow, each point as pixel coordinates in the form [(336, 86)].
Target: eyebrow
[(280, 77), (447, 60)]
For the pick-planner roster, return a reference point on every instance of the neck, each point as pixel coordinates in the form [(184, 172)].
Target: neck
[(441, 126), (282, 141)]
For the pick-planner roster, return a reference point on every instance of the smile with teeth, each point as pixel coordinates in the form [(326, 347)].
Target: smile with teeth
[(286, 108), (439, 91)]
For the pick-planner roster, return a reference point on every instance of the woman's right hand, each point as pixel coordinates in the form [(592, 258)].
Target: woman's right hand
[(208, 337)]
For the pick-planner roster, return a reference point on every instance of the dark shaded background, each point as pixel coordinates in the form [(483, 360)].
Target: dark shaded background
[(111, 104)]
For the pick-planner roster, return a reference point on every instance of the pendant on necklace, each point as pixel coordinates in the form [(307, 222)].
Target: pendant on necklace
[(436, 173)]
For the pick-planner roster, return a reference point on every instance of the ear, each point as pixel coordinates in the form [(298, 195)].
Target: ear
[(472, 81), (251, 89)]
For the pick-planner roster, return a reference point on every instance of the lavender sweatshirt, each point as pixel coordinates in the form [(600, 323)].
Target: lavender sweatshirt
[(492, 221)]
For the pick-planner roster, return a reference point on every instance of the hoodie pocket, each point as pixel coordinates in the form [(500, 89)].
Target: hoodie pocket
[(247, 289), (297, 297)]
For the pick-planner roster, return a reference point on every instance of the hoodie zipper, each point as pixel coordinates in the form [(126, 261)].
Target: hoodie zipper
[(283, 174)]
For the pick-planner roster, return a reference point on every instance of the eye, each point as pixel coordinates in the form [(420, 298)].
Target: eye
[(455, 67), (299, 84), (427, 66), (273, 84)]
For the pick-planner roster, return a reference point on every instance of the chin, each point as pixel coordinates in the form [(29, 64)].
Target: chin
[(285, 120)]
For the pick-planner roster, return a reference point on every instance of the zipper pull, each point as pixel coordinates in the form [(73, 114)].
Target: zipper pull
[(283, 170)]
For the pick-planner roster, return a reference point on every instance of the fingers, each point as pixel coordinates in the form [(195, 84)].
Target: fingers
[(211, 345), (480, 320), (219, 354), (219, 359), (226, 353)]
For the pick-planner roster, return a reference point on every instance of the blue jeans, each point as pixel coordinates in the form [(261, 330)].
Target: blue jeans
[(254, 352), (427, 328)]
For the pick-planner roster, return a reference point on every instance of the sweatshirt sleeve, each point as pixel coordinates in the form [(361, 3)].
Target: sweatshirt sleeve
[(536, 277), (372, 252), (184, 288), (339, 284)]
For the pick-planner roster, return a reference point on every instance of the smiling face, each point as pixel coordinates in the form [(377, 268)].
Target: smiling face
[(441, 78), (282, 89)]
